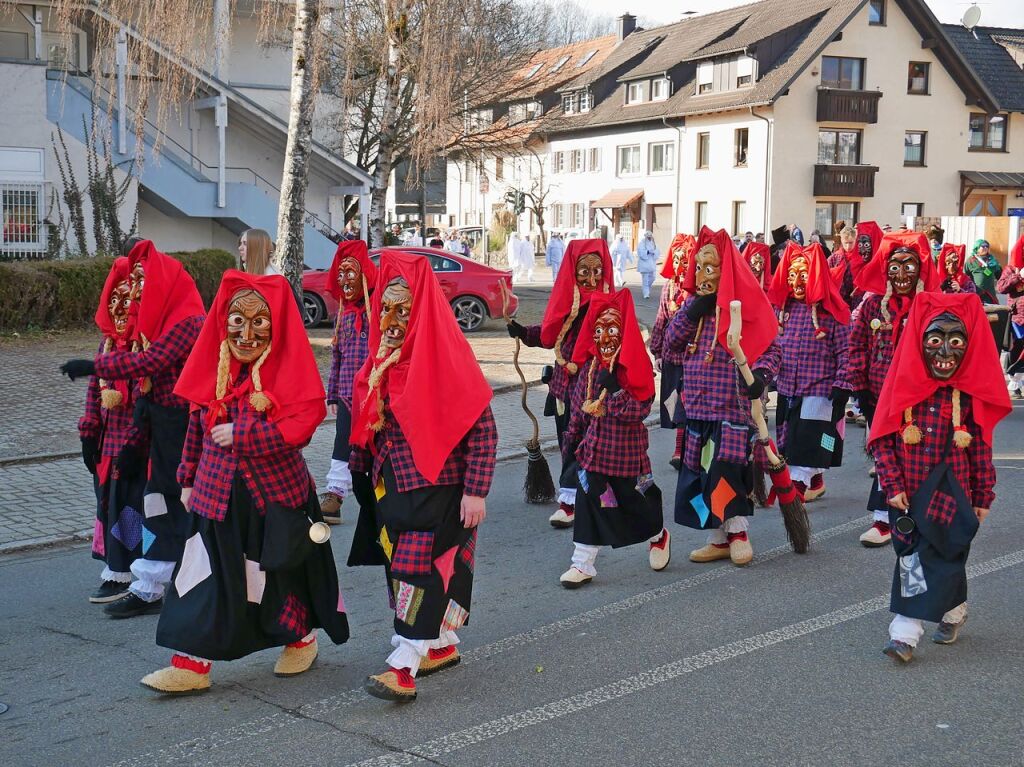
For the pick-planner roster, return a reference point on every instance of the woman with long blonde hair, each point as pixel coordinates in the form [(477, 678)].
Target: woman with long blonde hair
[(254, 250)]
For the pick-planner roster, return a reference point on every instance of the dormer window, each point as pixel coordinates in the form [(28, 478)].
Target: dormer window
[(533, 70), (559, 64), (634, 93), (585, 58), (586, 101), (568, 103), (744, 72), (660, 89), (705, 76)]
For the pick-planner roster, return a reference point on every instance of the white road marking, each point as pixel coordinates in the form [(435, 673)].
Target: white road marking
[(321, 708), (438, 747)]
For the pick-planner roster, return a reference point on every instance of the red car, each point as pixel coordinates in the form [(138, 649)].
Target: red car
[(471, 288)]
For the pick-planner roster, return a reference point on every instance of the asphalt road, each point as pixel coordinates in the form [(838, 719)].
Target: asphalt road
[(775, 664)]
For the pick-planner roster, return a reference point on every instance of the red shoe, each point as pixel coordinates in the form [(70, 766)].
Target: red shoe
[(879, 534), (801, 488), (816, 490), (564, 517), (395, 684), (439, 660)]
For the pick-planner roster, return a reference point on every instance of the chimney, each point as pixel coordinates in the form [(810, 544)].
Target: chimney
[(627, 23)]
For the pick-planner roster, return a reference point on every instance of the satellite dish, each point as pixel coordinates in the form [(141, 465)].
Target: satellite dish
[(971, 17)]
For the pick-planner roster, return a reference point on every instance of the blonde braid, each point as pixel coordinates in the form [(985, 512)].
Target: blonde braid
[(819, 334), (884, 310), (571, 367), (146, 384), (376, 374), (223, 369), (109, 398), (259, 401), (910, 431), (961, 436), (710, 356)]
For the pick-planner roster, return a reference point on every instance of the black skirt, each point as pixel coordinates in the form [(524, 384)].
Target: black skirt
[(716, 480), (672, 416), (807, 442), (615, 511), (570, 467), (342, 433), (427, 553), (221, 605), (119, 529), (167, 521)]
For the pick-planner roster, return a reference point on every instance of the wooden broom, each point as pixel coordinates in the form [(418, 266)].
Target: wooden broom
[(794, 515), (538, 486)]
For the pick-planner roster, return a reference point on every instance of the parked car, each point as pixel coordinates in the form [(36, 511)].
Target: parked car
[(472, 289)]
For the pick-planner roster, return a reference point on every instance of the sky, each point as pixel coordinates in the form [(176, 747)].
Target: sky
[(994, 13)]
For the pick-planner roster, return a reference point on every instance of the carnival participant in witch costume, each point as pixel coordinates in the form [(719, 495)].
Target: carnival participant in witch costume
[(812, 381), (716, 479), (617, 502), (420, 471), (932, 440), (671, 365), (842, 261), (950, 264), (250, 576), (348, 280), (901, 269), (168, 317), (586, 270), (1011, 283), (111, 445), (758, 258)]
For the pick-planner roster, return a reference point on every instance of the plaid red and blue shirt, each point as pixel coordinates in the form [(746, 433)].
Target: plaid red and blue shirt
[(712, 391), (272, 469), (349, 353), (811, 367), (847, 289), (161, 362), (661, 320), (870, 351), (615, 444), (113, 427), (561, 383), (902, 468), (1012, 284), (471, 463)]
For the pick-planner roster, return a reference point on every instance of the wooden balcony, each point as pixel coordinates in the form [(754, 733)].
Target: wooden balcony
[(844, 106), (844, 180)]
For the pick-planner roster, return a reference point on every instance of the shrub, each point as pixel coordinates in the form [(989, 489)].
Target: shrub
[(64, 294)]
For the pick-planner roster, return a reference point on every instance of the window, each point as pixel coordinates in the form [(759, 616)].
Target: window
[(594, 159), (634, 93), (585, 101), (660, 89), (569, 103), (558, 215), (703, 150), (629, 160), (23, 229), (913, 148), (839, 147), (988, 133), (559, 64), (739, 212), (576, 161), (876, 13), (499, 168), (585, 58), (533, 109), (917, 78), (13, 45), (576, 214), (442, 264), (912, 209), (705, 75), (841, 72), (557, 162), (744, 71), (827, 213), (741, 139), (516, 113), (534, 70), (700, 216), (662, 158)]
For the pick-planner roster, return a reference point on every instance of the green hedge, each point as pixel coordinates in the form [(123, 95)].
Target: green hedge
[(64, 294)]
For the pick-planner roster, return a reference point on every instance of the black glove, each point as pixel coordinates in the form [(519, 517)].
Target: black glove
[(608, 381), (78, 369), (701, 306), (866, 401), (756, 389), (515, 330), (839, 397), (90, 453), (131, 460)]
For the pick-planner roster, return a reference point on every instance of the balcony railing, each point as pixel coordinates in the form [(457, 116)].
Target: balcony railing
[(844, 180), (838, 105)]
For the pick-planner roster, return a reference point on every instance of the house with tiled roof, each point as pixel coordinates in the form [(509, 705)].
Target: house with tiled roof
[(786, 111)]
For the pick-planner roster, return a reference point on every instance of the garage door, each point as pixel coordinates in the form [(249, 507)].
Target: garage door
[(661, 225)]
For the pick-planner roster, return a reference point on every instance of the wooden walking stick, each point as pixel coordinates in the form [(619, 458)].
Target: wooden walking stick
[(794, 514), (538, 486)]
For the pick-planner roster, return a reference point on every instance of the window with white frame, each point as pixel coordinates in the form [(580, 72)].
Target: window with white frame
[(558, 215), (516, 113), (557, 162), (660, 89), (634, 93), (533, 109), (594, 159), (568, 103), (629, 160), (24, 233), (744, 72), (662, 157), (576, 161), (705, 76), (700, 215), (576, 214), (559, 64), (586, 101)]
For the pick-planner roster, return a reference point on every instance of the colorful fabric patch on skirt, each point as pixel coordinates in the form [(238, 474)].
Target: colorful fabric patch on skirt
[(255, 582), (408, 599), (379, 491), (195, 566), (385, 543), (707, 454), (454, 616), (99, 546), (467, 553), (147, 539), (294, 616), (128, 528), (644, 481), (445, 565), (584, 481), (828, 442), (721, 497), (412, 554)]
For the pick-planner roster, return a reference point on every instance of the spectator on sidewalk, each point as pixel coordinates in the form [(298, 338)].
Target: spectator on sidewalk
[(527, 257), (622, 258), (254, 251), (554, 253), (647, 255)]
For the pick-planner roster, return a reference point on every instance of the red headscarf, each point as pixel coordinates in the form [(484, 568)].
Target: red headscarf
[(633, 365), (755, 248), (980, 373), (289, 376), (874, 232), (737, 284), (821, 287), (668, 269), (355, 249), (1017, 254), (169, 295), (118, 274), (874, 277), (961, 256), (560, 303), (434, 356)]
